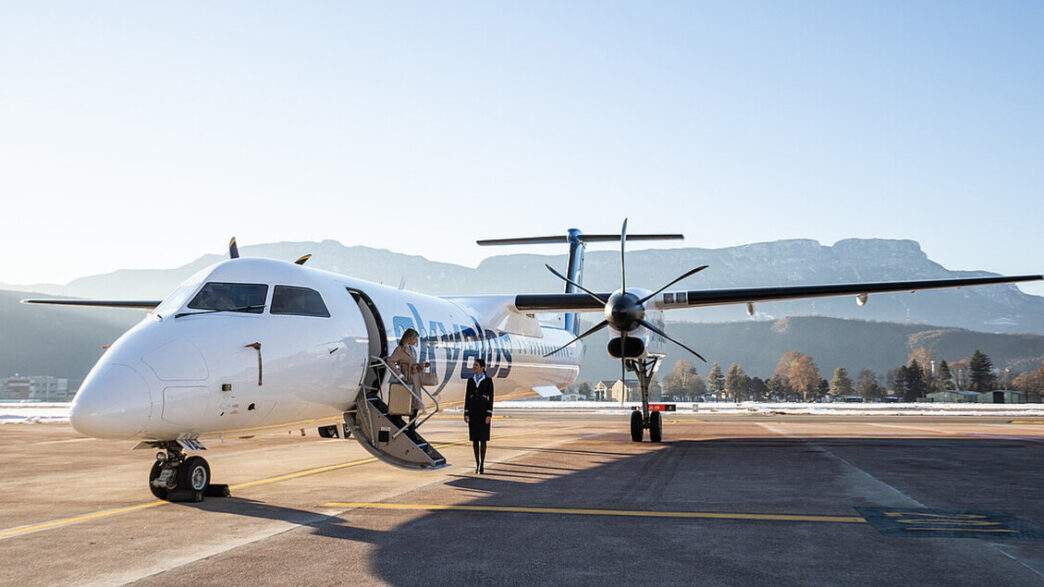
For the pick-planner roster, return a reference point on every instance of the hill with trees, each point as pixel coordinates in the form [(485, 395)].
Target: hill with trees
[(854, 344)]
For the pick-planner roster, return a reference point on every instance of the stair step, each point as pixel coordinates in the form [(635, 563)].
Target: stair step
[(374, 428)]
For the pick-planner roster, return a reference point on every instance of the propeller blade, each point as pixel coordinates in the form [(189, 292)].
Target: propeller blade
[(592, 330), (233, 250), (575, 284), (646, 324), (623, 269), (302, 260), (653, 294)]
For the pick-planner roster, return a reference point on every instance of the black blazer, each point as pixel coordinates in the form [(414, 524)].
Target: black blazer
[(478, 400)]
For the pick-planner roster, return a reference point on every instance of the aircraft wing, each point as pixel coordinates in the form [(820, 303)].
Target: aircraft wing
[(582, 302), (133, 304)]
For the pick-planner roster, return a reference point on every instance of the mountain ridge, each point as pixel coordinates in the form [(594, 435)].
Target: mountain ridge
[(771, 263)]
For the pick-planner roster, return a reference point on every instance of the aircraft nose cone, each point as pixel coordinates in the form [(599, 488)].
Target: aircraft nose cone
[(114, 402)]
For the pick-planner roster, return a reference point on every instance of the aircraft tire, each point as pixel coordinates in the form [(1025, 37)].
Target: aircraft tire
[(194, 475), (636, 426), (655, 427), (159, 492)]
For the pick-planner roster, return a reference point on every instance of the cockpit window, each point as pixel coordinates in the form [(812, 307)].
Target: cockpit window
[(298, 301), (239, 297), (175, 299)]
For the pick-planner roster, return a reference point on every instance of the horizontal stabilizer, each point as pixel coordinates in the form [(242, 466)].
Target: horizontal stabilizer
[(131, 304), (587, 238)]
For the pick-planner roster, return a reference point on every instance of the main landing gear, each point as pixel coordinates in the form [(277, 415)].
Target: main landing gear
[(175, 477), (644, 420)]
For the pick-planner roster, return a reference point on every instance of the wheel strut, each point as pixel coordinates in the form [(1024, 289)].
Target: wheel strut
[(175, 477), (645, 369)]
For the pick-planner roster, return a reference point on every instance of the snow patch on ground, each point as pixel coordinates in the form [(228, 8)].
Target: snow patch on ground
[(34, 413), (58, 413), (838, 409)]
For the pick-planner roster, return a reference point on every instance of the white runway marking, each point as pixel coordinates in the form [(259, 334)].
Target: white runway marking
[(62, 441)]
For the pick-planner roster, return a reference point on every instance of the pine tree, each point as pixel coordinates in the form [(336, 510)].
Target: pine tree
[(915, 383), (756, 389), (715, 380), (945, 377), (840, 385), (822, 389), (981, 367), (901, 377)]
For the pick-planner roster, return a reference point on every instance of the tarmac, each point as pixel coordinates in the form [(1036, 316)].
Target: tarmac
[(567, 498)]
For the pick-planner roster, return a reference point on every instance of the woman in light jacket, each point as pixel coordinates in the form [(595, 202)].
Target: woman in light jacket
[(404, 361)]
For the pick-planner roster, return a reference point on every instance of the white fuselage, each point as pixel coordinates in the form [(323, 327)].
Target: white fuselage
[(183, 373)]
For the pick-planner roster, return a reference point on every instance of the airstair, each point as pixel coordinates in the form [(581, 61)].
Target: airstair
[(387, 436)]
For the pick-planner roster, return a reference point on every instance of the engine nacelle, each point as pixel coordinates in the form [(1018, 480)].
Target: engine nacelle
[(631, 347)]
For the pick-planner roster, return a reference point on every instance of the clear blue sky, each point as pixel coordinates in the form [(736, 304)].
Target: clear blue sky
[(144, 134)]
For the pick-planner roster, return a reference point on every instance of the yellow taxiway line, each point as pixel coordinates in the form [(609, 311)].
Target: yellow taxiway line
[(20, 530), (66, 521), (599, 512)]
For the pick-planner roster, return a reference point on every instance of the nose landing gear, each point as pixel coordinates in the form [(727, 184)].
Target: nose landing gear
[(644, 419), (175, 477)]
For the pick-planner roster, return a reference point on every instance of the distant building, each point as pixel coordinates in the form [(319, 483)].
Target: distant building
[(34, 387), (1002, 396), (999, 396), (953, 396), (629, 391), (602, 390)]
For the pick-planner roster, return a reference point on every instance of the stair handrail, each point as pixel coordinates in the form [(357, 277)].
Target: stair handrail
[(414, 393)]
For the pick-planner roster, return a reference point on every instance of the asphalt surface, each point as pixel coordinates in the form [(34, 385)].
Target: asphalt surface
[(566, 498)]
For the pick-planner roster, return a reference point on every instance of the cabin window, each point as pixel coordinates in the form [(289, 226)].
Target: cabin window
[(298, 301), (231, 297)]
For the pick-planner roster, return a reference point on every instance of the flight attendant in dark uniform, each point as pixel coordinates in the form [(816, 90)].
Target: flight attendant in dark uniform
[(478, 411)]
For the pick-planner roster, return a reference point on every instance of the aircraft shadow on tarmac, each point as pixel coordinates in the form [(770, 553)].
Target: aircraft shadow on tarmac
[(819, 476), (320, 524)]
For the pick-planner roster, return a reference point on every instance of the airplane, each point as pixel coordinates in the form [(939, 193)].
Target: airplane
[(252, 345)]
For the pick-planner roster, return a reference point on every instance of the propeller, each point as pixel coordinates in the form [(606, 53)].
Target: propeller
[(624, 310), (575, 284)]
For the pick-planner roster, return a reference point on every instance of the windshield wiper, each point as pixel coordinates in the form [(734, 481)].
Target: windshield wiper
[(239, 309)]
